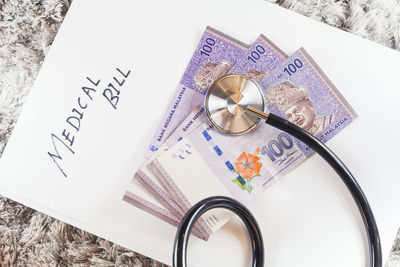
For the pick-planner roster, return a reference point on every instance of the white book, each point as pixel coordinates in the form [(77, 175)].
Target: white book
[(307, 219)]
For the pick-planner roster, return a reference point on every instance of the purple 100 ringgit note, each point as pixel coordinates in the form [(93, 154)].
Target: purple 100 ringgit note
[(214, 56), (262, 57), (297, 90)]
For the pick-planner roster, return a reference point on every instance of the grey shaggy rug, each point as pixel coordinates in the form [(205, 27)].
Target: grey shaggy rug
[(27, 29)]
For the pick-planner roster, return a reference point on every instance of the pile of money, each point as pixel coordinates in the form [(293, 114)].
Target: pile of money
[(188, 160)]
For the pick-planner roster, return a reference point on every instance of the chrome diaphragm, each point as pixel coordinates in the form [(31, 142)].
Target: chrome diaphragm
[(227, 103)]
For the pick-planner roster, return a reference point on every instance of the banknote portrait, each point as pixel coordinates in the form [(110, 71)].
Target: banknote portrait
[(210, 72), (298, 107)]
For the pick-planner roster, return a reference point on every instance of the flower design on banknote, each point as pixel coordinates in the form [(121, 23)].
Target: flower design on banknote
[(248, 166), (207, 74), (298, 107)]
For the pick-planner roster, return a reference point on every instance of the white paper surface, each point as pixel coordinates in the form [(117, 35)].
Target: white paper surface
[(307, 218)]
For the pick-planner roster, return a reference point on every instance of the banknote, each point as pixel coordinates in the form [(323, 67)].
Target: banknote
[(191, 122), (262, 57), (151, 205), (207, 162), (155, 188), (153, 198), (214, 56)]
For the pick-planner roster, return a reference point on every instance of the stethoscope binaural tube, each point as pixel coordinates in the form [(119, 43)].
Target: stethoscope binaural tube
[(190, 218), (237, 109), (342, 171)]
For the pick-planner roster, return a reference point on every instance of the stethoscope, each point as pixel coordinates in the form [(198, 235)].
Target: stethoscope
[(234, 104)]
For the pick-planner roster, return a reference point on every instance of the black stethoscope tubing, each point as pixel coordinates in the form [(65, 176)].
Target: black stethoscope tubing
[(187, 223), (190, 218)]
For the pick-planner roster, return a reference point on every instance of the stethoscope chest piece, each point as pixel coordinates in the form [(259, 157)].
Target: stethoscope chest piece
[(227, 100)]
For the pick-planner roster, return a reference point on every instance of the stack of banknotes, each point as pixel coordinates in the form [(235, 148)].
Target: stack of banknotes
[(188, 160)]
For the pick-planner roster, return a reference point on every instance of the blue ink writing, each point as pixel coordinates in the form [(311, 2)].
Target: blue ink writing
[(62, 145), (73, 125), (111, 93)]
